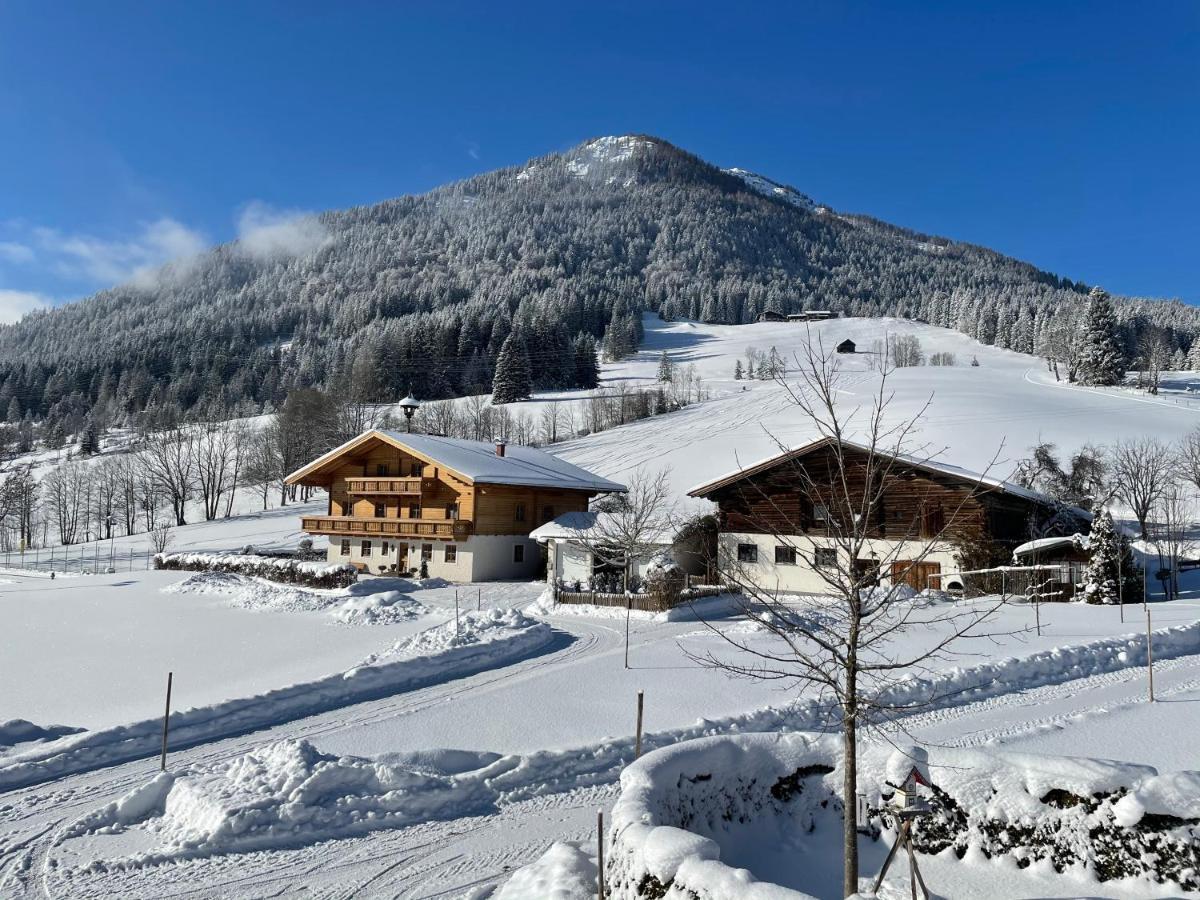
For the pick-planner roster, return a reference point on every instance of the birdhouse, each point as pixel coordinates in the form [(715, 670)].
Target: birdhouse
[(907, 800)]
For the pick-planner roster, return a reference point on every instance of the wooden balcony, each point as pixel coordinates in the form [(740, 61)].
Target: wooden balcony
[(380, 486), (355, 526)]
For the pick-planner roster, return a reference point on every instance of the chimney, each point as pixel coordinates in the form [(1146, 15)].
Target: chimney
[(499, 447)]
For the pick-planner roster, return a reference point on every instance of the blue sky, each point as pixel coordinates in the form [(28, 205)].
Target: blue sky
[(1066, 134)]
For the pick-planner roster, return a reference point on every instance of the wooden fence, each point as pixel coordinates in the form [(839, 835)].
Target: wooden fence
[(642, 602)]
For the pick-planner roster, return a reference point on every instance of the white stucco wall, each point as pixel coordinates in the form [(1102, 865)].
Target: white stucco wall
[(479, 558), (803, 577)]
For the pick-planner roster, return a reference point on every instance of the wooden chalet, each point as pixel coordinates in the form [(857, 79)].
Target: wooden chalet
[(776, 531), (464, 508), (771, 315), (847, 346)]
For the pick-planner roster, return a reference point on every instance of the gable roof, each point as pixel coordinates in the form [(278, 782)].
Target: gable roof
[(927, 465), (475, 462)]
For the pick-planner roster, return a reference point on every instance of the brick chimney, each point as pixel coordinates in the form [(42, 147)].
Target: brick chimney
[(499, 447)]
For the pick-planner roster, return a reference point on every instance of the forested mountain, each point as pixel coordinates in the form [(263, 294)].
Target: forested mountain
[(420, 293)]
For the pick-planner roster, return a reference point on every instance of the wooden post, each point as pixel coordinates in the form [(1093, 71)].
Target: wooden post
[(628, 613), (162, 765), (457, 630), (600, 854), (478, 599), (1149, 655), (637, 747)]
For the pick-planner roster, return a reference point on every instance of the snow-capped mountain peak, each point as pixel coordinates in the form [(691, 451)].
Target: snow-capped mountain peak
[(769, 188)]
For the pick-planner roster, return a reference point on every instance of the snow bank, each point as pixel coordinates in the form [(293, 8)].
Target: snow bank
[(374, 606), (688, 610), (564, 872), (504, 638), (689, 814), (22, 731), (281, 569)]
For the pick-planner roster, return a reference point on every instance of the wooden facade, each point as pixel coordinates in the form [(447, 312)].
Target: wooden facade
[(381, 489), (802, 494)]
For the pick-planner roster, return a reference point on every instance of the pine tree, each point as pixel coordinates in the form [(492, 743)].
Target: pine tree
[(1102, 362), (1193, 357), (666, 368), (89, 438), (1100, 577), (737, 371), (587, 369), (513, 380)]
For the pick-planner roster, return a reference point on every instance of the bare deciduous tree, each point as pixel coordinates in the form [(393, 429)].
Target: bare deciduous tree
[(169, 460), (161, 537), (1141, 471), (844, 646), (631, 526)]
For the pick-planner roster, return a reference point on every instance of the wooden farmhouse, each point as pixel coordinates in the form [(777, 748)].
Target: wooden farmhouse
[(464, 508), (779, 519)]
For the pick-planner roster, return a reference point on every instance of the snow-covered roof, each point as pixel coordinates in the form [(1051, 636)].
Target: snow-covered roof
[(1042, 545), (930, 465), (477, 462), (582, 525)]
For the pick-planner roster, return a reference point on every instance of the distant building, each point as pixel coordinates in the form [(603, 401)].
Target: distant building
[(812, 315), (846, 346), (463, 508), (772, 315)]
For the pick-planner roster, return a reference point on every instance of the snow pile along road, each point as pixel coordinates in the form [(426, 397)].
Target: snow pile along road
[(493, 639), (284, 794), (22, 731)]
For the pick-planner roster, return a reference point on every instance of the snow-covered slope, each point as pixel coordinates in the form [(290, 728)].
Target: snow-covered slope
[(983, 417), (769, 188)]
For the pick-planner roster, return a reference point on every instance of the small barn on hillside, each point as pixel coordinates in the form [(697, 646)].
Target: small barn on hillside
[(846, 346), (771, 315)]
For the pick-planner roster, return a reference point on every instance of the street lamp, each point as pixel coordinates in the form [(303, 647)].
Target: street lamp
[(410, 405)]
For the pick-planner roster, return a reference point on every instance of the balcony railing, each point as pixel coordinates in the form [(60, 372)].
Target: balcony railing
[(449, 529), (381, 485)]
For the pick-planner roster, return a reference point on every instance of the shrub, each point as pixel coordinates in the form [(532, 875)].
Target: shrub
[(285, 571)]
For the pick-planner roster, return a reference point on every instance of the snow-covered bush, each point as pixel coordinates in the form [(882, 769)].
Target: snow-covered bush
[(664, 580), (692, 814), (283, 570)]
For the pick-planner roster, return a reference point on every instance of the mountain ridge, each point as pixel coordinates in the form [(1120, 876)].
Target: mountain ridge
[(566, 246)]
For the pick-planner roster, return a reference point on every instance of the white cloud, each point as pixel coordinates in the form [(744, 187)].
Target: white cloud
[(14, 304), (163, 249), (267, 233), (11, 251)]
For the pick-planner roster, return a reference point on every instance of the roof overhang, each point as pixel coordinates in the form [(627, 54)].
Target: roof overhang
[(312, 474)]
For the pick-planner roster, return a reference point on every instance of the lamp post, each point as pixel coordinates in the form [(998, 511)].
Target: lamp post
[(410, 405)]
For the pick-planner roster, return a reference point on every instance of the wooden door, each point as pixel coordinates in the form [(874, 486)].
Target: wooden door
[(914, 574)]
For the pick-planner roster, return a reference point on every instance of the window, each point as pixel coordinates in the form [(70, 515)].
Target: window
[(451, 553), (365, 549), (519, 512), (547, 513), (747, 553), (414, 510), (825, 558), (381, 469), (518, 553), (427, 551), (785, 556), (416, 469), (383, 548), (821, 513), (380, 510), (452, 511), (345, 546)]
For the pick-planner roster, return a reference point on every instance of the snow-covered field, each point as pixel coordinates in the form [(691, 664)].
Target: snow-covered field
[(545, 731)]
